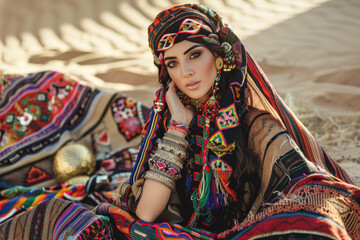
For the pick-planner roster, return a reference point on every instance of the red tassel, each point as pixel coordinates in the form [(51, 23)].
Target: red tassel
[(231, 192), (211, 108)]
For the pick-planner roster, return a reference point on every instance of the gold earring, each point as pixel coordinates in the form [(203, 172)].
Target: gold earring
[(219, 63)]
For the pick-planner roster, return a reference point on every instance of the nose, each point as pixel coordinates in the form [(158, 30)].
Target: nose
[(187, 70)]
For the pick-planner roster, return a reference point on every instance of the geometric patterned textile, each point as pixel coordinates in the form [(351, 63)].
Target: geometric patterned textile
[(57, 219), (41, 112), (16, 200), (314, 208)]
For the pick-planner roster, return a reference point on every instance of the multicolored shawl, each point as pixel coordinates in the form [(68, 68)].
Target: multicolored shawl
[(17, 200), (57, 219), (249, 87), (316, 207), (41, 112)]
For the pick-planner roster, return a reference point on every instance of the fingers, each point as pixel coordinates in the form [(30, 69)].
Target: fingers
[(171, 96), (172, 86), (177, 109)]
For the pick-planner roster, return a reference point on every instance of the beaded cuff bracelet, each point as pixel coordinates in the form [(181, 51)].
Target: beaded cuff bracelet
[(161, 178)]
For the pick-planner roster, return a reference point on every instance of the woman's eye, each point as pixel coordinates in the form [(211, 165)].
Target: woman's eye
[(171, 64), (195, 55)]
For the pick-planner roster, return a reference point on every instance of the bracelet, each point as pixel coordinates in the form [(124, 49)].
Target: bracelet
[(161, 178), (164, 168), (172, 148), (176, 160), (171, 163), (176, 139), (180, 123), (179, 130), (178, 126)]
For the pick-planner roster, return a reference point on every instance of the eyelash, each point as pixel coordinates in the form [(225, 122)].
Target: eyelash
[(169, 65), (197, 53), (193, 55)]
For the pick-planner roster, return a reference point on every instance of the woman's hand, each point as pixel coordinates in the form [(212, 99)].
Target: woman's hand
[(177, 109)]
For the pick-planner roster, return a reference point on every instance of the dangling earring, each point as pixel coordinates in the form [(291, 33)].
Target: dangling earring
[(211, 107), (219, 64), (229, 59)]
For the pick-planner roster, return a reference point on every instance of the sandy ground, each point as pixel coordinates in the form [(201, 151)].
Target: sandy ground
[(309, 49)]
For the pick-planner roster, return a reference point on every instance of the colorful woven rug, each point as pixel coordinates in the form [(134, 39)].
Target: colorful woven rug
[(57, 219), (41, 112)]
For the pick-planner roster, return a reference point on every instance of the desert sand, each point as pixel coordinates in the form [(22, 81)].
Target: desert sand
[(309, 49)]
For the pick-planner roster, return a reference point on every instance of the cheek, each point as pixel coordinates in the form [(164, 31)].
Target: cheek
[(175, 77), (171, 73), (211, 69)]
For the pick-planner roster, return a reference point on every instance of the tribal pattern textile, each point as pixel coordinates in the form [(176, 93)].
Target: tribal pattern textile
[(143, 230), (57, 219), (313, 208), (36, 110), (125, 111), (16, 200), (118, 164), (120, 218), (41, 112), (195, 22), (127, 226)]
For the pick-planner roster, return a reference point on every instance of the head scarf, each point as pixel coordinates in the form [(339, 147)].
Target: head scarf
[(247, 87)]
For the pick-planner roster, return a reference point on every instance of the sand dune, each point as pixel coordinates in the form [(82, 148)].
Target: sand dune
[(309, 50)]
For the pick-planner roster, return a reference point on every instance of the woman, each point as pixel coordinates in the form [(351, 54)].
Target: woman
[(219, 138), (221, 157)]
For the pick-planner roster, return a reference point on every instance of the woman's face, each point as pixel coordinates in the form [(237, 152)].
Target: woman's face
[(191, 67)]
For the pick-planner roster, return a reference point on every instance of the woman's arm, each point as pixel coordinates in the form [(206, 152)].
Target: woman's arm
[(155, 195), (280, 158), (267, 141), (153, 200)]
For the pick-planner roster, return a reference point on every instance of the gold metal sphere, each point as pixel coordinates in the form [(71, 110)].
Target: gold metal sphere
[(72, 160)]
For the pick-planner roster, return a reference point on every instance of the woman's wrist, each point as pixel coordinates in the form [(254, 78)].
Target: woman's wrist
[(167, 161), (177, 133), (178, 128), (181, 120)]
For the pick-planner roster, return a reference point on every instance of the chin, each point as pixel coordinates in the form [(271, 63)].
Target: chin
[(199, 95)]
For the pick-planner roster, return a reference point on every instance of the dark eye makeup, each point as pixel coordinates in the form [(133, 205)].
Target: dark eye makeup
[(194, 54), (171, 64)]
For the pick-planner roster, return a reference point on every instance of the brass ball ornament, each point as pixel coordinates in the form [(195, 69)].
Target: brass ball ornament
[(73, 160)]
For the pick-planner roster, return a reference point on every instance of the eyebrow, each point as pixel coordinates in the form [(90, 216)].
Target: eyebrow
[(191, 48), (188, 50)]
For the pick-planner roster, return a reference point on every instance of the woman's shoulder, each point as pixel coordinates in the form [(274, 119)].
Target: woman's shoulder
[(253, 114)]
